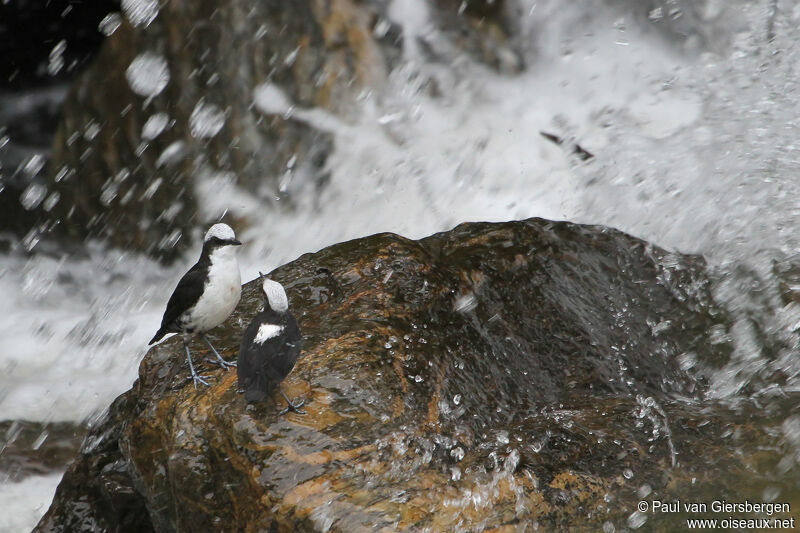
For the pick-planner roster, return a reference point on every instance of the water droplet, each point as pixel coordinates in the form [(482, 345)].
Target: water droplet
[(148, 74), (457, 453), (170, 240), (457, 399), (171, 154), (465, 303), (381, 29), (502, 437), (34, 165), (56, 59), (140, 12), (418, 378), (32, 196), (687, 360), (628, 473), (108, 194), (608, 527), (62, 173), (270, 99), (389, 118), (51, 201), (154, 126), (92, 130), (291, 57), (110, 24), (40, 440), (511, 462), (771, 493), (637, 519), (31, 239), (206, 120)]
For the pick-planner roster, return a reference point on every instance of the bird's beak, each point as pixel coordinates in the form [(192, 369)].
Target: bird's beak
[(235, 242)]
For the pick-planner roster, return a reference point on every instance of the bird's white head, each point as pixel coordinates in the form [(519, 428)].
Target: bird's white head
[(276, 296), (220, 239), (223, 232)]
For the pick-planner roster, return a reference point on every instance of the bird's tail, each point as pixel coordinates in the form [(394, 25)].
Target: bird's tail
[(254, 394), (258, 387), (157, 337)]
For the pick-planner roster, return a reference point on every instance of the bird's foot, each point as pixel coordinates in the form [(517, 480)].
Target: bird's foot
[(219, 361), (294, 407), (197, 378), (222, 363)]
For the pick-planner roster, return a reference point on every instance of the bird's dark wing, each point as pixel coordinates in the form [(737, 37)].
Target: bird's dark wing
[(289, 348), (248, 358), (184, 297)]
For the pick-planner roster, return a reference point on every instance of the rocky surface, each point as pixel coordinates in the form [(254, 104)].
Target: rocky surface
[(493, 377), (33, 448), (97, 493)]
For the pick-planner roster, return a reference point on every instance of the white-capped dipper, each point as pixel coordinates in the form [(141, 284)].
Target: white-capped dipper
[(270, 346), (206, 295)]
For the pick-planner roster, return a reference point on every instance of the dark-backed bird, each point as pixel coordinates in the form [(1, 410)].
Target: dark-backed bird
[(270, 346), (206, 295)]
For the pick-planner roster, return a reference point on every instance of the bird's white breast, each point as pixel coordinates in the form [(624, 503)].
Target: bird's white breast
[(266, 332), (221, 292)]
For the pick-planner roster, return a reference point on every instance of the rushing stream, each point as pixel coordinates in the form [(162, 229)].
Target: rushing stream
[(692, 117)]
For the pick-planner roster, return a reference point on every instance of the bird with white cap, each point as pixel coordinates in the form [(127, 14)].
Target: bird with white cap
[(206, 295), (269, 349)]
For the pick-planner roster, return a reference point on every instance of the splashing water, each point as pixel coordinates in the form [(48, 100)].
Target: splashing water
[(154, 126), (140, 12), (206, 120), (148, 74)]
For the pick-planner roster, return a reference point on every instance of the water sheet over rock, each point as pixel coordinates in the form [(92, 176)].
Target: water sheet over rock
[(484, 378)]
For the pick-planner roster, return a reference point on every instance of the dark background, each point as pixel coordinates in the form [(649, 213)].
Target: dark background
[(31, 97), (29, 29)]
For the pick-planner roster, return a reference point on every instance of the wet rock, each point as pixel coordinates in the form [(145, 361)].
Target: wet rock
[(34, 448), (490, 376), (96, 493), (485, 29)]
